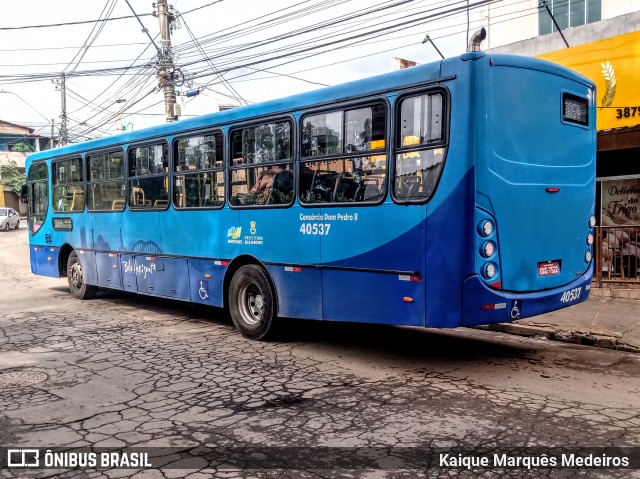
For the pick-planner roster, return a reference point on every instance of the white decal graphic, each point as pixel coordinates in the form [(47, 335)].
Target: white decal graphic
[(139, 269)]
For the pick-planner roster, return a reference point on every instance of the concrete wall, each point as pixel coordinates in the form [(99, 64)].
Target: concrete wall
[(612, 27), (14, 129), (513, 26), (6, 157)]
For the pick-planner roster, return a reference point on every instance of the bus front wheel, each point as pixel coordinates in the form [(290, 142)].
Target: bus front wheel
[(251, 301), (78, 287)]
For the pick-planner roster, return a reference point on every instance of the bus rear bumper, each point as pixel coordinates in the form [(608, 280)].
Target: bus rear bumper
[(483, 305)]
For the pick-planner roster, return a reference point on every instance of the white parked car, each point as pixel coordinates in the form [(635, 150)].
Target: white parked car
[(9, 218)]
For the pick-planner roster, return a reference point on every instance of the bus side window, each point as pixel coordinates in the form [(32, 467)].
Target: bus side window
[(68, 187), (105, 181), (344, 156), (198, 171), (261, 172), (149, 176), (421, 152)]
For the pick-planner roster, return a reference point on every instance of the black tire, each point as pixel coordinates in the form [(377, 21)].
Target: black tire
[(18, 224), (251, 302), (6, 226), (79, 289)]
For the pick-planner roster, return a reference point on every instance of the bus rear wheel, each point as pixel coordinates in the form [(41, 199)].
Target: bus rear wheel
[(78, 287), (251, 301)]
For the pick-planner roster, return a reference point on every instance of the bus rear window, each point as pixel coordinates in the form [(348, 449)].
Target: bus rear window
[(575, 109)]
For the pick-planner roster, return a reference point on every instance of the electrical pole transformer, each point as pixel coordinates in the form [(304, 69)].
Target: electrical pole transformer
[(166, 67)]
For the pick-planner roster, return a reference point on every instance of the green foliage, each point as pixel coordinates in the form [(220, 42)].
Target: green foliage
[(12, 177), (22, 147)]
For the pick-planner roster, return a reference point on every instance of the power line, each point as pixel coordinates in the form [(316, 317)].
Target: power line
[(352, 37), (201, 7), (68, 48), (89, 41), (83, 22)]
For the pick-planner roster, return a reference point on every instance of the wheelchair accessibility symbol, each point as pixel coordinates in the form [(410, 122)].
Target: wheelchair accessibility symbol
[(516, 309), (203, 291)]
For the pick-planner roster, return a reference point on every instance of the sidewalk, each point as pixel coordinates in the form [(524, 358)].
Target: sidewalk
[(605, 320)]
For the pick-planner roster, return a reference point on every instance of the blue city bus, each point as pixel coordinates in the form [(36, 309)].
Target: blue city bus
[(455, 193)]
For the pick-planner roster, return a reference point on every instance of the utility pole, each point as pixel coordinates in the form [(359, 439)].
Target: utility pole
[(51, 139), (64, 133), (166, 67)]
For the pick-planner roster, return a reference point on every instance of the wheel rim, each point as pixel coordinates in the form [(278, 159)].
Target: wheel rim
[(75, 275), (251, 303)]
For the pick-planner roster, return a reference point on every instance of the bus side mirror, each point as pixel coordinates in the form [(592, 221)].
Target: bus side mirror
[(24, 194)]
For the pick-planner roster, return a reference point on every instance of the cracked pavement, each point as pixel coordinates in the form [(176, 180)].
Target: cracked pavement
[(130, 371)]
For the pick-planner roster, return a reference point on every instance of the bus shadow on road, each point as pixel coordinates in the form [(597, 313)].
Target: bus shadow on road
[(399, 340)]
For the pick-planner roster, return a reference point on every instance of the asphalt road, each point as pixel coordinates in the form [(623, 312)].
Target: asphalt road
[(321, 399)]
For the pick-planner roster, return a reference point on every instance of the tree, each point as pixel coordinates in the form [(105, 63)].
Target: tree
[(22, 147), (12, 177)]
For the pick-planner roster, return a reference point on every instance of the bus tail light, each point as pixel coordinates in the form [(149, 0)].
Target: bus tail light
[(488, 248), (487, 257), (489, 270), (486, 228)]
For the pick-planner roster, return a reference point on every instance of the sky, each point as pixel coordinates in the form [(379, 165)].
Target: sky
[(229, 51)]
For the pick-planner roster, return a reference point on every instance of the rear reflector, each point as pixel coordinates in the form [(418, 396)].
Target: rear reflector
[(406, 277), (552, 190), (491, 307)]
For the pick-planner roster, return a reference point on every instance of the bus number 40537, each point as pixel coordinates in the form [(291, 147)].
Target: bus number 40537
[(315, 228)]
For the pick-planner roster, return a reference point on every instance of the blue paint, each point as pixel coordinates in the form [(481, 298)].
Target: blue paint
[(419, 264)]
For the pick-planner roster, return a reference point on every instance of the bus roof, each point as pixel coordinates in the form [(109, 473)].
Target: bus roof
[(359, 88)]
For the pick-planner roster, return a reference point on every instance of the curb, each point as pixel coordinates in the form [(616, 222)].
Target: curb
[(597, 340)]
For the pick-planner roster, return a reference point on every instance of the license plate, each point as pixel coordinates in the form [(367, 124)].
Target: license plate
[(548, 268)]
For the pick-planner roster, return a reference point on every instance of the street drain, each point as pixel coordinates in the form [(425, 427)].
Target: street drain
[(21, 378)]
